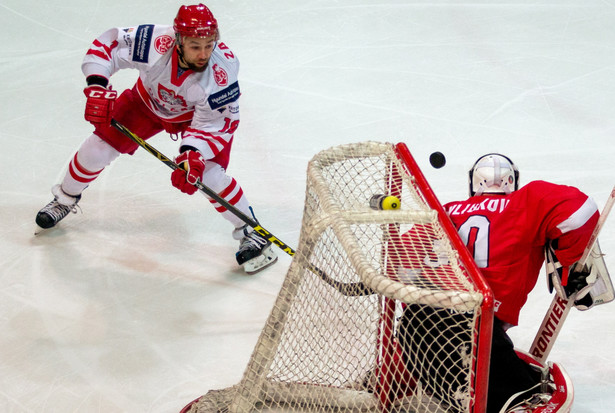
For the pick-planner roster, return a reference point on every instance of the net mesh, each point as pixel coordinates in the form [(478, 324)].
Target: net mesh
[(376, 313)]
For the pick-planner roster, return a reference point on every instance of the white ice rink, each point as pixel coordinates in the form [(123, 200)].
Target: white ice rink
[(136, 304)]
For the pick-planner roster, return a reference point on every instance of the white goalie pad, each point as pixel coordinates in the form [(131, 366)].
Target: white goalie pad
[(599, 288)]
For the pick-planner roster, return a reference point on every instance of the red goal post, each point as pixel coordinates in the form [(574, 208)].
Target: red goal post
[(486, 323), (380, 310)]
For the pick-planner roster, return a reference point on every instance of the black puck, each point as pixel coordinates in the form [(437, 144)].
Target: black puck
[(437, 160)]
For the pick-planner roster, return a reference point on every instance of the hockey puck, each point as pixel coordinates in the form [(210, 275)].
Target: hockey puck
[(437, 160)]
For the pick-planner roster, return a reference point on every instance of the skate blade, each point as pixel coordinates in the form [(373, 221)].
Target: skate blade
[(38, 230), (257, 264)]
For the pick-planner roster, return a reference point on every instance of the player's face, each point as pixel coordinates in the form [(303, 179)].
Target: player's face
[(197, 51)]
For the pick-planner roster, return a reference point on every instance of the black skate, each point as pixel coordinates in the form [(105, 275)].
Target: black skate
[(255, 253), (57, 209)]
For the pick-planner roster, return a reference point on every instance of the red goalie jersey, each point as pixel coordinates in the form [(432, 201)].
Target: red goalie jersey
[(506, 235)]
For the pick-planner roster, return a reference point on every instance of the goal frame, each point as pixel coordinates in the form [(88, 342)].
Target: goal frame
[(390, 384), (487, 307)]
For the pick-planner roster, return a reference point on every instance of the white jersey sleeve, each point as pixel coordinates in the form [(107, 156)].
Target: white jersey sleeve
[(122, 48)]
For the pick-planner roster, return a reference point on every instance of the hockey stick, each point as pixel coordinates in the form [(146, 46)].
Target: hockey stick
[(559, 308), (349, 289)]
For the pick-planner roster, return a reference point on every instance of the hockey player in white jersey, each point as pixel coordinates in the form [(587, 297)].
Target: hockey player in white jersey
[(187, 87)]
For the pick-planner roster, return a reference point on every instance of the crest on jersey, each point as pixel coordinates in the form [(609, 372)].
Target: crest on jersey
[(220, 76), (163, 43), (169, 96)]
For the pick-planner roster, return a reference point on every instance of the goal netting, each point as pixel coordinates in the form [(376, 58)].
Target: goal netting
[(380, 311)]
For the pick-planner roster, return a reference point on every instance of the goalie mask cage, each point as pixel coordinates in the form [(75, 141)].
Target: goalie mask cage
[(380, 311)]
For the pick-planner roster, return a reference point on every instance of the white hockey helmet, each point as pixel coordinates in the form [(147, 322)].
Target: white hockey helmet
[(493, 173)]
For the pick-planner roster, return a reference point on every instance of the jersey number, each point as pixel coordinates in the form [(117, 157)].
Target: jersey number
[(475, 234), (229, 54), (230, 126)]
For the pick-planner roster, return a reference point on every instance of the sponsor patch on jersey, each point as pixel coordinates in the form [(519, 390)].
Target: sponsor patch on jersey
[(224, 97), (220, 76), (233, 108), (163, 43), (143, 40)]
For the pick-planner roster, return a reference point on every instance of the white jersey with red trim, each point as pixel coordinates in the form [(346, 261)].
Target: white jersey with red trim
[(208, 99)]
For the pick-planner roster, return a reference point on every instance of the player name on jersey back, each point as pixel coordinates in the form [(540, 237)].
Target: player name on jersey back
[(487, 204)]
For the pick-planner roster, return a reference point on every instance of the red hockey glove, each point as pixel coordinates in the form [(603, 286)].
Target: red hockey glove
[(193, 165), (99, 106)]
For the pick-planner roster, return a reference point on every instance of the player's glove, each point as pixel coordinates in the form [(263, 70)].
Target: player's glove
[(192, 165), (99, 105), (589, 285)]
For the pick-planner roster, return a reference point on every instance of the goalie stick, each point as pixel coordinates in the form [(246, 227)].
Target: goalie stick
[(559, 308), (349, 289)]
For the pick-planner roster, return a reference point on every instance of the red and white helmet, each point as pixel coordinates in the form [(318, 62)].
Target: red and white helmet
[(195, 21), (493, 174)]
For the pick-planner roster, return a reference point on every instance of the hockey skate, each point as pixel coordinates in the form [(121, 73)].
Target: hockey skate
[(57, 209), (255, 252), (555, 393)]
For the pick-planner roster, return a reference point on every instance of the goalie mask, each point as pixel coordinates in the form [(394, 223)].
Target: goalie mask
[(493, 174)]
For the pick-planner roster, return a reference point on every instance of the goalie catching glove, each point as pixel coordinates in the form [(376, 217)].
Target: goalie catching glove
[(191, 166), (588, 285)]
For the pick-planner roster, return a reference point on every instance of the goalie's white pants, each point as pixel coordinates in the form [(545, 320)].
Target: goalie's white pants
[(94, 155)]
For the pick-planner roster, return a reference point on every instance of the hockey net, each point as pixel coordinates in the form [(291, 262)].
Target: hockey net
[(380, 311)]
